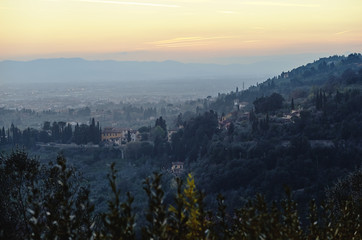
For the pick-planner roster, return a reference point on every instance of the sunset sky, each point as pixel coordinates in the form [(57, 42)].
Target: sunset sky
[(183, 30)]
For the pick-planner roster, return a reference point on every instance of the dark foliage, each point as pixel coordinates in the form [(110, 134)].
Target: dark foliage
[(268, 104), (58, 132)]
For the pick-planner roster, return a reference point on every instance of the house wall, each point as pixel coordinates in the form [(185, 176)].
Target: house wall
[(111, 135)]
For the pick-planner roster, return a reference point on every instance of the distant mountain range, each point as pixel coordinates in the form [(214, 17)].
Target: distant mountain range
[(75, 69), (80, 70)]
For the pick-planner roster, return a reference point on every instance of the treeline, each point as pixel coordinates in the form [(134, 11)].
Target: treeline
[(260, 153), (188, 143), (154, 144), (50, 202), (58, 132)]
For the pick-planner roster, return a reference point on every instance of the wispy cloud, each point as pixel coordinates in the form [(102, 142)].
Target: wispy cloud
[(186, 41), (343, 32), (189, 39), (184, 45), (131, 3), (280, 4)]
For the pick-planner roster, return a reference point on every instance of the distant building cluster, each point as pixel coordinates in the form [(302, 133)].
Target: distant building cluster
[(119, 136)]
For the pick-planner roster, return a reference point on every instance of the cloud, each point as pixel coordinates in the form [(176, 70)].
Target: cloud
[(340, 33), (186, 41), (184, 45), (178, 40), (280, 4), (194, 41), (131, 3)]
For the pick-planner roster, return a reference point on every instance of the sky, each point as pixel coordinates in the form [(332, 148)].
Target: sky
[(224, 31)]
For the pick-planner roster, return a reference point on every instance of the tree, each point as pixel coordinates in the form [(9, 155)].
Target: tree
[(348, 189), (59, 205), (129, 138), (190, 141), (158, 133), (196, 221), (118, 221), (161, 123), (3, 136), (349, 76), (177, 217), (266, 104), (67, 134), (322, 66), (18, 172), (42, 202), (53, 204), (179, 121), (55, 131), (156, 213), (15, 134), (77, 134), (46, 126), (92, 131)]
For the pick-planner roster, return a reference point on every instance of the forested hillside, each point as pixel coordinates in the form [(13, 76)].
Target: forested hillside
[(301, 129)]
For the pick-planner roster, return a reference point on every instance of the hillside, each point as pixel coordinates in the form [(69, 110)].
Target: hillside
[(331, 73), (301, 129)]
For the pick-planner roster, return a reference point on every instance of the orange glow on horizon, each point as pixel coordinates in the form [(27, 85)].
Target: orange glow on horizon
[(187, 28)]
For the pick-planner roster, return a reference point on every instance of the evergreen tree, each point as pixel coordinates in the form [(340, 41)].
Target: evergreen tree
[(98, 134), (46, 126), (18, 172), (161, 123), (55, 131), (196, 221), (59, 206), (92, 132), (129, 136), (77, 134), (3, 136), (177, 217), (118, 221), (67, 134), (156, 213)]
